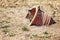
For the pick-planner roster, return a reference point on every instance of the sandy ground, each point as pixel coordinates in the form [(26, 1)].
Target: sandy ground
[(13, 16)]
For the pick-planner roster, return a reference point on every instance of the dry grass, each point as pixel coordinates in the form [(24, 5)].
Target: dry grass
[(12, 13)]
